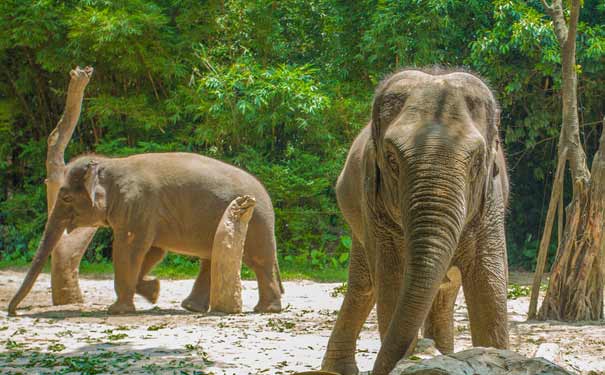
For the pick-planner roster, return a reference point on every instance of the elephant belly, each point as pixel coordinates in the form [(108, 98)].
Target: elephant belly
[(190, 242)]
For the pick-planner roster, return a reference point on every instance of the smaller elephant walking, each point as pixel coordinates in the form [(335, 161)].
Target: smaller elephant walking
[(154, 202), (226, 283)]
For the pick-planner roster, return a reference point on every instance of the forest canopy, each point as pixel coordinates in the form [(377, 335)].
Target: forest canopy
[(278, 88)]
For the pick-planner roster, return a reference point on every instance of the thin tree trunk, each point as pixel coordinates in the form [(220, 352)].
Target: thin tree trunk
[(67, 255), (555, 195), (575, 290)]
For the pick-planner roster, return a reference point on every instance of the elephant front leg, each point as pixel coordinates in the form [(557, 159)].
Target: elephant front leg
[(439, 324), (357, 304), (199, 298), (389, 280), (485, 281), (128, 252)]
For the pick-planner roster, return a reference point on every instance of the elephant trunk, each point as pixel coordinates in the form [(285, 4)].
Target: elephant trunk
[(53, 231), (434, 215)]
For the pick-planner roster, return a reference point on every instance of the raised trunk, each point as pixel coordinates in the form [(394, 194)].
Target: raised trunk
[(433, 223), (55, 226)]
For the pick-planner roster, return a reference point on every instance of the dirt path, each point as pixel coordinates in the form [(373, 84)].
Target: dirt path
[(164, 339)]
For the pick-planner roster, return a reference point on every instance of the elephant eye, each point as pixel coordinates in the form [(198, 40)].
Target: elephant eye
[(67, 198), (392, 160)]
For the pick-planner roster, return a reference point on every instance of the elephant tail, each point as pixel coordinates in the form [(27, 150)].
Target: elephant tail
[(278, 275)]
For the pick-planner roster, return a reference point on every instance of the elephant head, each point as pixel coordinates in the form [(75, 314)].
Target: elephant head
[(80, 203), (434, 144)]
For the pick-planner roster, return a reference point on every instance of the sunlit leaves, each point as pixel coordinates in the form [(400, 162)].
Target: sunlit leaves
[(275, 104)]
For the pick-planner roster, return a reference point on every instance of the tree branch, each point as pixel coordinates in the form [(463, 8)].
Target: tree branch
[(545, 241), (555, 11), (61, 134), (547, 8), (573, 21), (70, 249)]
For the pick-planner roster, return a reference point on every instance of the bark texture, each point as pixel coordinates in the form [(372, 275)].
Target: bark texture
[(67, 255), (227, 251), (575, 290)]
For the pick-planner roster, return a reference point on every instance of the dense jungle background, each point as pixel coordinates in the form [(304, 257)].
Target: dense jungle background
[(279, 88)]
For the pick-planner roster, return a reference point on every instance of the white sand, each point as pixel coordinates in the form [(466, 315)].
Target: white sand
[(247, 343)]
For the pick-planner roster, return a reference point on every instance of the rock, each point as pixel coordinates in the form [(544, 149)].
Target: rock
[(548, 351), (479, 361), (425, 348)]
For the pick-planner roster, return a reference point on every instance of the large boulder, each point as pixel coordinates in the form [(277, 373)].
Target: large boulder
[(479, 361)]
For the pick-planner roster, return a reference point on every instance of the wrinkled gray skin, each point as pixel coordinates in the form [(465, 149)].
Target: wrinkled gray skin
[(424, 187), (155, 202)]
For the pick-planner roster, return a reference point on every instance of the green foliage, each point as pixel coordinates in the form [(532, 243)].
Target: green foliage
[(515, 291), (279, 89), (340, 290), (525, 256)]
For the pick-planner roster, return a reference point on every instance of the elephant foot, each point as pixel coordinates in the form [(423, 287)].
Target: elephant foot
[(119, 308), (342, 366), (270, 307), (196, 304), (149, 289)]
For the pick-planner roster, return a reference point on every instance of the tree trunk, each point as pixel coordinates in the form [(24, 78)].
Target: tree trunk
[(68, 253), (575, 290)]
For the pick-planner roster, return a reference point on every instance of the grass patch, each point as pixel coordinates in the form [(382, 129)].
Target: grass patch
[(180, 267), (328, 274), (19, 264)]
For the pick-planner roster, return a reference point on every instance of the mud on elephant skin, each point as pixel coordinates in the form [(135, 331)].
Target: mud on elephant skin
[(154, 202), (424, 188)]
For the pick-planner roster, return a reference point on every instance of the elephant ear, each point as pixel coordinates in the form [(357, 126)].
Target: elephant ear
[(492, 170), (371, 173), (91, 180)]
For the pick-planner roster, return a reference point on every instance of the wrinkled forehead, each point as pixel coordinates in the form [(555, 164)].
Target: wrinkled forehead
[(417, 84), (459, 102)]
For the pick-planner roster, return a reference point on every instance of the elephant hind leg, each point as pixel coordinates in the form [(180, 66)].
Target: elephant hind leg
[(149, 287), (261, 256), (199, 298), (358, 302), (439, 324), (269, 290)]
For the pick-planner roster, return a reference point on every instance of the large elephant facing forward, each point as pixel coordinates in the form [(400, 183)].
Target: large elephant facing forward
[(156, 202), (424, 188)]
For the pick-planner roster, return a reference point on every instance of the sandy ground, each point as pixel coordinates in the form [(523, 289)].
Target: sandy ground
[(165, 339)]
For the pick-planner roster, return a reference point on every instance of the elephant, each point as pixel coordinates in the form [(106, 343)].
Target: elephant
[(424, 188), (154, 202)]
